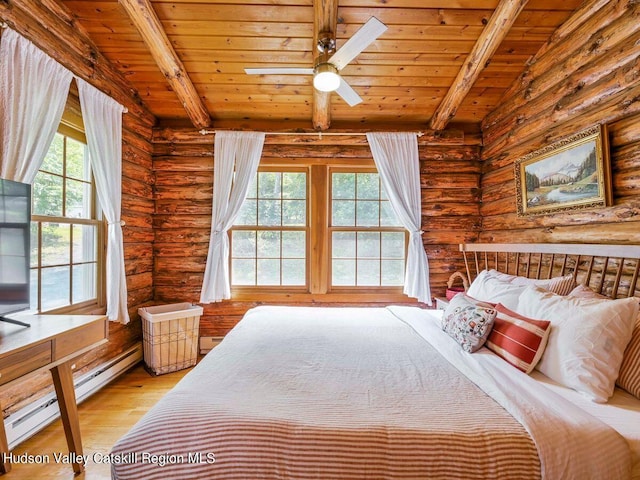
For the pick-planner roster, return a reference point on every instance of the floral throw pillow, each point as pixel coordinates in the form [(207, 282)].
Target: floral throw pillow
[(468, 321)]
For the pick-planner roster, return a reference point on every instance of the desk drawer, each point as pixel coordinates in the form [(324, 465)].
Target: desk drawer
[(70, 342), (20, 363)]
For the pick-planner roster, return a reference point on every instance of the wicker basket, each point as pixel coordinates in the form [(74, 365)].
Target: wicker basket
[(170, 336), (451, 290)]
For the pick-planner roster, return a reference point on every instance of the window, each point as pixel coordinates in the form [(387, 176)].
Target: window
[(269, 237), (65, 230), (315, 230), (367, 241)]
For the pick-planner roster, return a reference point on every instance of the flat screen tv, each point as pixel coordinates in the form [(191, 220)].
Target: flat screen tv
[(15, 221)]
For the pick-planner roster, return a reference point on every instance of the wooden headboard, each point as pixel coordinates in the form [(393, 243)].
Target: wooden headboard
[(611, 270)]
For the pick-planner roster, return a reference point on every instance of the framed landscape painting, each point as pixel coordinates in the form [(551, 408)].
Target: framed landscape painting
[(571, 174)]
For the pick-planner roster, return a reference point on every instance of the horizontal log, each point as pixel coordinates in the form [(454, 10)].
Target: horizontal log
[(137, 235), (138, 296), (627, 233), (624, 210), (183, 179), (453, 195), (625, 131), (461, 180), (134, 219), (449, 209)]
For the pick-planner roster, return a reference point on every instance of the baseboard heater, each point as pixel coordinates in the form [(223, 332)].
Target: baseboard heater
[(32, 418)]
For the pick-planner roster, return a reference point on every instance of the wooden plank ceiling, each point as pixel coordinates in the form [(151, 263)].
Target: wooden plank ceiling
[(433, 50)]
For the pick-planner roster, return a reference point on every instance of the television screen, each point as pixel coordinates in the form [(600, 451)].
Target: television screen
[(15, 220)]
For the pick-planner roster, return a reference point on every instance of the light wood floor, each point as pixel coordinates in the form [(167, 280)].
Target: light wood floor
[(104, 417)]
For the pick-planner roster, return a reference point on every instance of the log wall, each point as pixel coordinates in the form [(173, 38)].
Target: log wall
[(183, 163), (53, 29), (586, 74)]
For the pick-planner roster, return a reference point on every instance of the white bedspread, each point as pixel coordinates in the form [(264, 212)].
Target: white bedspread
[(328, 393), (571, 443)]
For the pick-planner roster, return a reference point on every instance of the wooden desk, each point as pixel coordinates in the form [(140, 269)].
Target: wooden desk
[(51, 343)]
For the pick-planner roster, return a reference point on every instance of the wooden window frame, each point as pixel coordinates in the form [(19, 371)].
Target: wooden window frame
[(348, 228), (276, 289), (319, 287), (72, 129)]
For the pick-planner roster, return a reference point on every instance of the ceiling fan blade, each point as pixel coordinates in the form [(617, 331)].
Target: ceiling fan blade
[(279, 71), (348, 94), (356, 44)]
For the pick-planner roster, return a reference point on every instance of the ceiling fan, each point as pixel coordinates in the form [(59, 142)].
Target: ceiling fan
[(326, 76)]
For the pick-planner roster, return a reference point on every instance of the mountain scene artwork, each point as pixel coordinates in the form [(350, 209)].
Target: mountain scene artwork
[(570, 174), (564, 177)]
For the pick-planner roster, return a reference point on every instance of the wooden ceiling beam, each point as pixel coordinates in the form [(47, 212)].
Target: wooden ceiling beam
[(325, 14), (490, 39), (148, 24)]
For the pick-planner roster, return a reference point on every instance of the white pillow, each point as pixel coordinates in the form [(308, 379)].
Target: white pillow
[(587, 340), (487, 287)]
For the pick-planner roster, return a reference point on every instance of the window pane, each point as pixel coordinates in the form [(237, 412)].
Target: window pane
[(293, 272), (294, 245), (248, 213), (393, 245), (368, 245), (47, 195), (343, 213), (84, 282), (56, 244), (368, 272), (54, 160), (55, 287), (368, 186), (243, 244), (343, 244), (78, 199), (388, 216), (243, 272), (268, 244), (269, 212), (367, 214), (343, 273), (269, 185), (343, 185), (269, 271), (77, 165), (84, 243), (294, 185), (392, 272), (294, 213)]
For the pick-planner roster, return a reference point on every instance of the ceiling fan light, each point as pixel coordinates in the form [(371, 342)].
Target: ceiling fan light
[(326, 78)]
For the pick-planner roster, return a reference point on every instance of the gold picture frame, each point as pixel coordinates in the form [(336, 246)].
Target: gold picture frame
[(571, 174)]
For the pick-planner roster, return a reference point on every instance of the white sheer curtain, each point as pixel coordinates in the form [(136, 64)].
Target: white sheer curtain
[(237, 155), (103, 127), (33, 93), (396, 158)]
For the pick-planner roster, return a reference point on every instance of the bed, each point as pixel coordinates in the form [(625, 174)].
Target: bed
[(355, 393)]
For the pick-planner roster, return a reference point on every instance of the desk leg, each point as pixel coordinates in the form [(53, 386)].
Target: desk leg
[(63, 383), (5, 466)]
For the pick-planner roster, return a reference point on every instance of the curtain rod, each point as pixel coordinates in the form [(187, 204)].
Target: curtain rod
[(320, 134)]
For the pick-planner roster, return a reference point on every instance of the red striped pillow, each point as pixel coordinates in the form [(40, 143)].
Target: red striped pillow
[(518, 339), (629, 376)]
